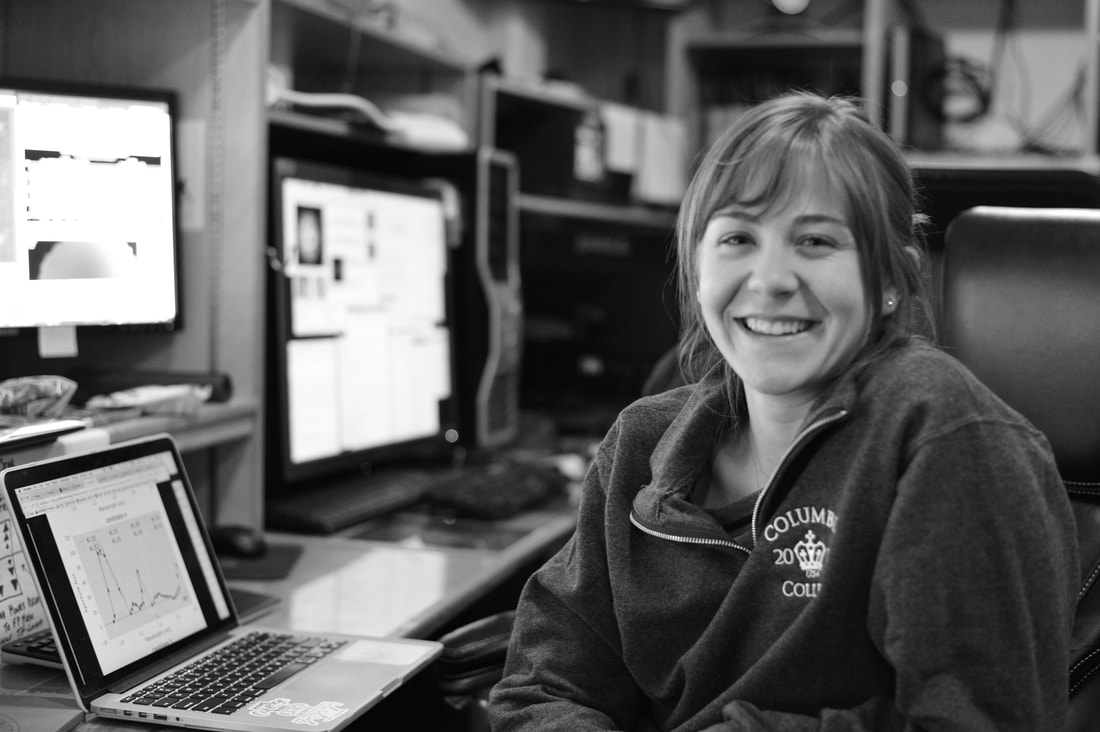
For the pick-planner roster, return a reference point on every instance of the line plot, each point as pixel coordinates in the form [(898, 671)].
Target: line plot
[(132, 572)]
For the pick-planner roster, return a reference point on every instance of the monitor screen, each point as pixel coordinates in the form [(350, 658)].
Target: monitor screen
[(87, 207), (362, 322)]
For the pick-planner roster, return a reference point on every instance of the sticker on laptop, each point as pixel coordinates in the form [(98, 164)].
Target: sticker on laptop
[(310, 715), (385, 652)]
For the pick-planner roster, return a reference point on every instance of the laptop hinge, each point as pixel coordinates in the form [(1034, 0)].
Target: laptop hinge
[(186, 654)]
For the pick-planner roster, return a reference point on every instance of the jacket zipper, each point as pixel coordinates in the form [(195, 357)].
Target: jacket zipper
[(800, 440), (687, 539)]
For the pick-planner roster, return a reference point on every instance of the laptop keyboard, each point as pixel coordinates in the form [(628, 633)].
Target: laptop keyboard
[(233, 676)]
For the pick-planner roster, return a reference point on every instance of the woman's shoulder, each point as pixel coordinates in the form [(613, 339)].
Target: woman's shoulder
[(648, 417), (924, 375), (653, 420), (662, 404), (920, 362)]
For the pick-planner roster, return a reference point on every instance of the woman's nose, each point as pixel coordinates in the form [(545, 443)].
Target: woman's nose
[(773, 271)]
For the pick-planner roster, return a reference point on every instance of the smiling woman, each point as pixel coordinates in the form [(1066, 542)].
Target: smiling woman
[(780, 293), (817, 532)]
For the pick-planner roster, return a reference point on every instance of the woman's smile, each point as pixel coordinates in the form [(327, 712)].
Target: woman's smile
[(774, 327)]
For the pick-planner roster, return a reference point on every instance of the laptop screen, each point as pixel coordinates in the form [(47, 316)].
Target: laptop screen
[(117, 543)]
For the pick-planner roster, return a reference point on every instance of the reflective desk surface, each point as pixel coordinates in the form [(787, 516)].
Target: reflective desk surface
[(414, 575), (408, 574)]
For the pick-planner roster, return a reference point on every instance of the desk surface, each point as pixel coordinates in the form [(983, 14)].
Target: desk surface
[(407, 587)]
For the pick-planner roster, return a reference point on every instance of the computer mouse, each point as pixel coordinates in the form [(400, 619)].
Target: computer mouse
[(235, 540)]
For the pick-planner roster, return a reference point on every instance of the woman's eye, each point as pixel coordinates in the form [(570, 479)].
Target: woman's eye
[(816, 242), (735, 239)]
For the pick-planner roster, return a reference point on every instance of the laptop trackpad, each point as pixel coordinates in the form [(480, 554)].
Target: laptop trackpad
[(358, 667), (340, 680)]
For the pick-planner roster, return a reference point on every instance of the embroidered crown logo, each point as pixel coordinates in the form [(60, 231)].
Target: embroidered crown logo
[(811, 555)]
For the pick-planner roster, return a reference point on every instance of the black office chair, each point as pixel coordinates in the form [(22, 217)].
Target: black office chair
[(1021, 308)]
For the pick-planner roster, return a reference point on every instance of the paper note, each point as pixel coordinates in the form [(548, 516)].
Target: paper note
[(21, 610), (57, 341)]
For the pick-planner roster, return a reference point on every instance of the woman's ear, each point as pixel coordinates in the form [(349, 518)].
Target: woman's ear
[(889, 300)]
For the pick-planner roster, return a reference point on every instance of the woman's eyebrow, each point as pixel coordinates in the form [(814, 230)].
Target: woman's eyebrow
[(821, 218), (736, 212), (809, 218)]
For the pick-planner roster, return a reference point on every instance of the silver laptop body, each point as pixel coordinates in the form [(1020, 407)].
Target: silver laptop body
[(125, 568)]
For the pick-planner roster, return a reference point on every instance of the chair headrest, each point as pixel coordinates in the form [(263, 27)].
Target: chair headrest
[(1021, 308)]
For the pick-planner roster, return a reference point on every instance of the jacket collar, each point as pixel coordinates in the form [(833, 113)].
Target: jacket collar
[(689, 439)]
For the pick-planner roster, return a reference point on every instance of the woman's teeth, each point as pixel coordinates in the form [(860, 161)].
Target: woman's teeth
[(776, 327)]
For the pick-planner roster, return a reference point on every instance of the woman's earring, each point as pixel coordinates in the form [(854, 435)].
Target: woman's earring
[(890, 303)]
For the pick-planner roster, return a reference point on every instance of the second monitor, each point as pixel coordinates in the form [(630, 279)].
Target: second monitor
[(395, 303), (361, 331)]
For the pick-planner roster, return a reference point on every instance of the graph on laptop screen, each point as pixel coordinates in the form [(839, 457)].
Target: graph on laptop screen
[(361, 339), (88, 232), (112, 531)]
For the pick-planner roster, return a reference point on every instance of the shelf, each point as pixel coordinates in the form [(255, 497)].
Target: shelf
[(342, 129), (332, 126), (818, 57), (816, 40), (314, 23), (951, 160), (734, 70), (538, 124), (548, 95), (214, 424), (627, 215)]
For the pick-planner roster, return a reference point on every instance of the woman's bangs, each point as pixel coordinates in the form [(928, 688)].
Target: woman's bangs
[(766, 177)]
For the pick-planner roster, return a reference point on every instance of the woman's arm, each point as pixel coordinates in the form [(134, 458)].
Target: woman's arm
[(560, 674), (564, 669)]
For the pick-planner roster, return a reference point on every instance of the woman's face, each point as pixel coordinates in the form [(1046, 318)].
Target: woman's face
[(781, 292)]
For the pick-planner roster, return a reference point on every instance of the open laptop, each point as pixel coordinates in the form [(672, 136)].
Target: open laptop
[(134, 594)]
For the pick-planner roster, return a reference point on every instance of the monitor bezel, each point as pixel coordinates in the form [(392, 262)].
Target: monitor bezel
[(125, 92), (283, 474)]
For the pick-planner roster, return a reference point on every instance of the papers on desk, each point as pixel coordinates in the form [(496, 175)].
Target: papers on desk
[(33, 433)]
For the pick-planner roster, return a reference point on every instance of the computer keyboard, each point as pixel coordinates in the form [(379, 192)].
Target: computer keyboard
[(492, 490), (348, 502), (495, 490), (233, 676)]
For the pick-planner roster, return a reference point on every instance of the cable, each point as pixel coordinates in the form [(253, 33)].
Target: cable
[(966, 86), (1067, 108)]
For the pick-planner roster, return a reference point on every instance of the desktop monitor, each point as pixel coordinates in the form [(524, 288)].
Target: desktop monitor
[(361, 335), (88, 233)]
